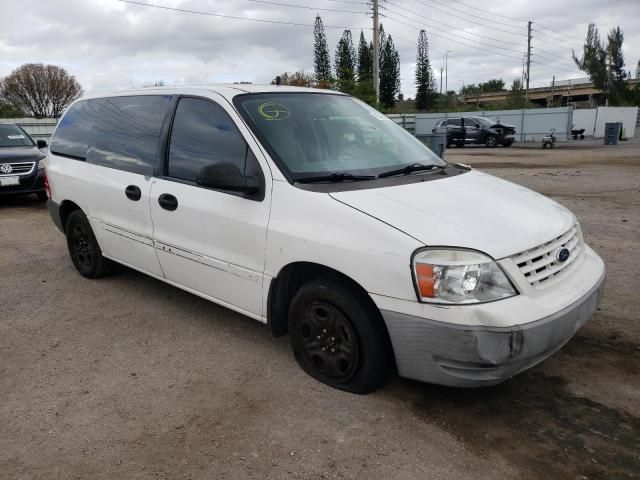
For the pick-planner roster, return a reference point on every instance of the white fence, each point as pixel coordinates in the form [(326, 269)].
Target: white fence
[(38, 128), (593, 120)]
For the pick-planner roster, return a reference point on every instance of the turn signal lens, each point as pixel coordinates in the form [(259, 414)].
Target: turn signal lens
[(459, 276), (426, 280)]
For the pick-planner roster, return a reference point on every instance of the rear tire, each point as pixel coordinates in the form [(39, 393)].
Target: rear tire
[(83, 247), (459, 144), (338, 337)]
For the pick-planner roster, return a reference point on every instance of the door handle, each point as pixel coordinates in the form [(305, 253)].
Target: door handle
[(133, 193), (168, 202)]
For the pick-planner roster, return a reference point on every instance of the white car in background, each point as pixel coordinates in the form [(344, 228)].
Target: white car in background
[(312, 212)]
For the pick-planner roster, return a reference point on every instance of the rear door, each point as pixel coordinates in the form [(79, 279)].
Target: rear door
[(211, 241), (472, 131), (455, 130), (122, 153)]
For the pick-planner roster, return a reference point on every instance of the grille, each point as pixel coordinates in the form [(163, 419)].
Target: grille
[(540, 266), (22, 168)]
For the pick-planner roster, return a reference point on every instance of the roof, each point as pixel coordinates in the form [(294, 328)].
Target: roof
[(227, 90)]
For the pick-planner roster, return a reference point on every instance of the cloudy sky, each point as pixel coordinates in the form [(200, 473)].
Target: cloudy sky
[(111, 45)]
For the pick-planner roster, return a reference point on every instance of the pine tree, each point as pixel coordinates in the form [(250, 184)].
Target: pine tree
[(425, 82), (594, 58), (389, 73), (345, 63), (617, 75), (365, 60), (516, 96), (321, 59)]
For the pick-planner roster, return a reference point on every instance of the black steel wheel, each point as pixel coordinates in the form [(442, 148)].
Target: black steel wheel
[(83, 247), (328, 341), (339, 337)]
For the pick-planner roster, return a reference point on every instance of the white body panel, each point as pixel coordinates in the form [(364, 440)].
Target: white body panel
[(213, 243)]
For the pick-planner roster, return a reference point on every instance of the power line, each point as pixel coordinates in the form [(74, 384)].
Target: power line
[(473, 22), (451, 26), (560, 33), (233, 17), (307, 7), (447, 32), (452, 40), (475, 7), (554, 41), (492, 20)]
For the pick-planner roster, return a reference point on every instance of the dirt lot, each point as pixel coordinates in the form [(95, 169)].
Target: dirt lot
[(127, 377)]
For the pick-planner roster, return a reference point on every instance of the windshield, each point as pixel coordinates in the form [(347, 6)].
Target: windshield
[(14, 136), (315, 134)]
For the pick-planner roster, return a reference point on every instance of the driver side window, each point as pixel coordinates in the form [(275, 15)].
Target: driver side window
[(203, 134)]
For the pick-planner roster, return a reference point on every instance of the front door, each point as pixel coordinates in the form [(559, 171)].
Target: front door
[(211, 241)]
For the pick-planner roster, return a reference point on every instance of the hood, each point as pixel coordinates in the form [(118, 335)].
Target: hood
[(20, 154), (503, 125), (474, 210)]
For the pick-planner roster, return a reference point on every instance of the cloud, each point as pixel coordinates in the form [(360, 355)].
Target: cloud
[(111, 45)]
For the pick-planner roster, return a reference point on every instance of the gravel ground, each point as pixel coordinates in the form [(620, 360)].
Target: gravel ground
[(127, 377)]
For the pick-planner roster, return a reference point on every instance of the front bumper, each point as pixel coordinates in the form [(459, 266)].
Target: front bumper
[(472, 355), (32, 183)]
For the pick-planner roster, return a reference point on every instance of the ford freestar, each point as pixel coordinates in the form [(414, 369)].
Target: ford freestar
[(314, 213)]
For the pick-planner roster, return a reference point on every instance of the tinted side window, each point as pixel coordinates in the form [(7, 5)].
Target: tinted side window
[(127, 132), (444, 123), (470, 123), (202, 134), (73, 133), (456, 122)]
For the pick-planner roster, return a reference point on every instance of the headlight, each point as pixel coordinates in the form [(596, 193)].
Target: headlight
[(458, 276)]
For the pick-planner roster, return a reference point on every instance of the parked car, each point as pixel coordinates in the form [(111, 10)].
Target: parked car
[(475, 130), (20, 162), (311, 212)]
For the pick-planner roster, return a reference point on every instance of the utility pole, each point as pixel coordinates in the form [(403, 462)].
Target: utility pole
[(526, 91), (553, 90), (376, 51), (441, 74), (446, 70)]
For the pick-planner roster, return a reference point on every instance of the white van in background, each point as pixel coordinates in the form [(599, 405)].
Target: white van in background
[(312, 212)]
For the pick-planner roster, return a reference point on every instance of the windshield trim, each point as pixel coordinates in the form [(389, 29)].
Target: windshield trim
[(290, 175), (33, 144)]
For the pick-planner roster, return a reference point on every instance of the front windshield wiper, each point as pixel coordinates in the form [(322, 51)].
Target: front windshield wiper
[(334, 177), (415, 167)]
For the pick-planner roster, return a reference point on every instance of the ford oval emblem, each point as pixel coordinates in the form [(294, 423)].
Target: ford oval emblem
[(563, 254)]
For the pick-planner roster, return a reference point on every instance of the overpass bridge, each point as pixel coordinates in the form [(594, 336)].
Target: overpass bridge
[(562, 93)]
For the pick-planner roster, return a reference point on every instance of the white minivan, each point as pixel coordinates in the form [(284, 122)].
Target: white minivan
[(317, 215)]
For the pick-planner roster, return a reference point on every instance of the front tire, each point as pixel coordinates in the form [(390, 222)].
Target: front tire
[(83, 247), (491, 141), (338, 337)]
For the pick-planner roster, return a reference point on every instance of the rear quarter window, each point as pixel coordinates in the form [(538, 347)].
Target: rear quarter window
[(71, 138)]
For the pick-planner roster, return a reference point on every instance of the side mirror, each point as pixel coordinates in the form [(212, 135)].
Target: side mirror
[(227, 176), (41, 143)]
